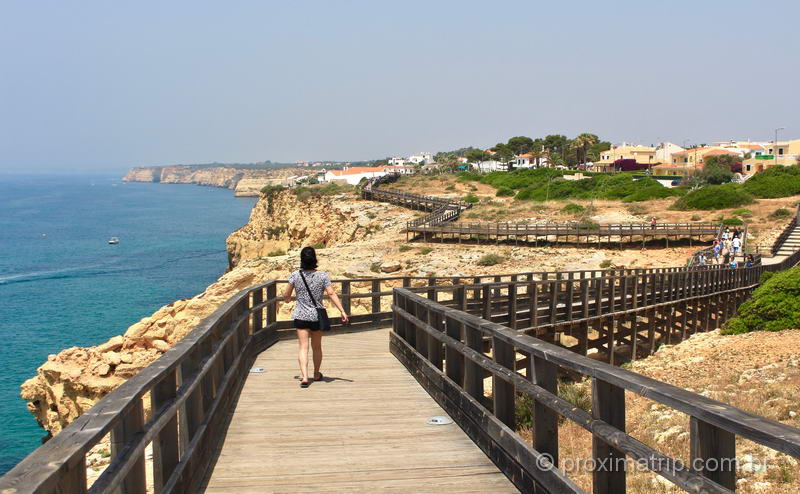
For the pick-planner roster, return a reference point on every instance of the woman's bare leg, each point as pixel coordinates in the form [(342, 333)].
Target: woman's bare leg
[(316, 346), (302, 354)]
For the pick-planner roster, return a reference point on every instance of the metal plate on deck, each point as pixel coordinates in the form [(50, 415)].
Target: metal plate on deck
[(440, 420), (257, 370)]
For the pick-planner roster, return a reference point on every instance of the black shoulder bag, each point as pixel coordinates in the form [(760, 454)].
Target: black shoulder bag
[(322, 314)]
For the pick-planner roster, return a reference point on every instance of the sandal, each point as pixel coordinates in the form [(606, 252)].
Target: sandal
[(320, 378), (304, 384)]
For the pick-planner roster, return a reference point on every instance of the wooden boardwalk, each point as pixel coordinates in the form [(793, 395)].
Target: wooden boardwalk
[(362, 430)]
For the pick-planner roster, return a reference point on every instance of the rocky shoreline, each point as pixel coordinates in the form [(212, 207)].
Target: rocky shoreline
[(245, 182)]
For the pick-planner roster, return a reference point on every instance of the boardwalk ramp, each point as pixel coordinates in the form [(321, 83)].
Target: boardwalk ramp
[(362, 429)]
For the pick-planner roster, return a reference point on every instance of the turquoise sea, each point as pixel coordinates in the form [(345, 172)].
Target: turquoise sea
[(62, 284)]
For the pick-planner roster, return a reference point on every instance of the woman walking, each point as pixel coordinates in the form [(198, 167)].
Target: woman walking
[(310, 285)]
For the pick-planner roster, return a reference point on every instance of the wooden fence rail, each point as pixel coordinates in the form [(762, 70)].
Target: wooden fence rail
[(450, 352)]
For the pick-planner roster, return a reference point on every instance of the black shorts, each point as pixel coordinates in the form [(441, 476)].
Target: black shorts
[(301, 324)]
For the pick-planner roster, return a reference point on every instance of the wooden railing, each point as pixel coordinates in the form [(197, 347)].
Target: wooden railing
[(444, 212), (450, 351), (786, 232)]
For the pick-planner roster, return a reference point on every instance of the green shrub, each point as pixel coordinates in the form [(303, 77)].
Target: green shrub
[(504, 192), (425, 251), (319, 246), (587, 224), (550, 185), (696, 217), (779, 214), (573, 208), (404, 248), (270, 190), (471, 198), (490, 260), (606, 263), (450, 187), (742, 212), (774, 306), (714, 197), (766, 275), (576, 393), (375, 267), (732, 222), (637, 209), (776, 181), (276, 253)]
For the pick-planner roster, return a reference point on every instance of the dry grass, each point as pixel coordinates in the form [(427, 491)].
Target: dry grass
[(757, 372)]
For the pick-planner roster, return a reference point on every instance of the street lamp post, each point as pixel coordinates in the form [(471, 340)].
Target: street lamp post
[(775, 146)]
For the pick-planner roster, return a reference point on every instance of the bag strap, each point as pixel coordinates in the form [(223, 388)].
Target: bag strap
[(308, 289)]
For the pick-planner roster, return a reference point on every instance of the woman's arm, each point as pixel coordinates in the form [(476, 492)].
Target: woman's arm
[(287, 294), (331, 293)]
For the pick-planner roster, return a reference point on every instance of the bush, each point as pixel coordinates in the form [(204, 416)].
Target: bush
[(598, 186), (404, 248), (505, 192), (605, 263), (774, 306), (732, 222), (779, 214), (471, 198), (375, 267), (270, 190), (637, 209), (586, 224), (744, 213), (776, 181), (715, 174), (714, 197), (490, 260), (576, 393), (573, 208), (425, 251), (319, 246), (276, 253), (696, 217)]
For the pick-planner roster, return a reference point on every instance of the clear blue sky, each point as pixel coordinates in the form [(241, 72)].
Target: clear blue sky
[(95, 85)]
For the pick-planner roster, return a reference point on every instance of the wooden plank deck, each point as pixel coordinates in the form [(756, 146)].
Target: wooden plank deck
[(362, 430)]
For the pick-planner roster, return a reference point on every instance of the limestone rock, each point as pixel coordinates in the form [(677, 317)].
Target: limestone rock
[(391, 267)]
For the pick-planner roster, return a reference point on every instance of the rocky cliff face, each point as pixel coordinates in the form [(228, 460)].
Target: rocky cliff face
[(213, 176), (279, 221), (72, 381)]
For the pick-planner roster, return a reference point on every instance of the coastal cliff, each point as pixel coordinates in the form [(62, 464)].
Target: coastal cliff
[(72, 381), (251, 180), (280, 221)]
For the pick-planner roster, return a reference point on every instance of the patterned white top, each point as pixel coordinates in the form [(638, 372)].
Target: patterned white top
[(318, 281)]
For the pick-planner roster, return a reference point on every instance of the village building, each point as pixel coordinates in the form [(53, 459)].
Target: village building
[(642, 154), (353, 175)]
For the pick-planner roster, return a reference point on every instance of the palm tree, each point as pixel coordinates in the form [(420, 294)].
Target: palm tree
[(583, 142)]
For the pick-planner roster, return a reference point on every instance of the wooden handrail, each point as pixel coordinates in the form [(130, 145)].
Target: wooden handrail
[(450, 351)]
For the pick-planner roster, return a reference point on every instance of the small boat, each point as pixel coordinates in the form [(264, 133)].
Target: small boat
[(113, 241)]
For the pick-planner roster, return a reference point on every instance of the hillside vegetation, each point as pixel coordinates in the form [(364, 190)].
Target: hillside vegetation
[(547, 184), (774, 306), (714, 197), (777, 181)]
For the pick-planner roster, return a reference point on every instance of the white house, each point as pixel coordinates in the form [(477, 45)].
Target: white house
[(490, 166), (527, 160), (421, 158), (397, 161), (665, 150), (353, 175)]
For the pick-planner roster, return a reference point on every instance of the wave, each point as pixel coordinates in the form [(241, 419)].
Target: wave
[(95, 270)]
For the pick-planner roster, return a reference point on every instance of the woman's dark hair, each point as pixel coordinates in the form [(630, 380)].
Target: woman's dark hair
[(308, 258)]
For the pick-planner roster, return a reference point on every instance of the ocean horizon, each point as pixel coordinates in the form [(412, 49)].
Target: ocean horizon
[(63, 285)]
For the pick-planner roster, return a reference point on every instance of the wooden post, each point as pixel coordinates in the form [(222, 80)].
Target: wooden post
[(127, 428), (257, 317), (376, 301), (512, 304), (454, 360), (165, 445), (486, 313), (345, 299), (473, 373), (503, 393), (713, 452), (608, 405), (435, 348), (545, 420)]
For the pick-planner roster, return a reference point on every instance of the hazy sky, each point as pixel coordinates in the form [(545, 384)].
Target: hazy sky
[(92, 85)]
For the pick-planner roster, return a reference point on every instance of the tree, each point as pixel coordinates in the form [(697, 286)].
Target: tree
[(520, 144), (715, 173), (557, 145), (582, 144), (504, 152), (477, 155)]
